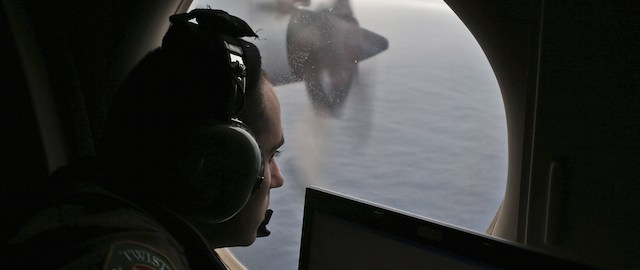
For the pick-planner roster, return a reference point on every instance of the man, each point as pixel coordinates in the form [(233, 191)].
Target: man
[(185, 164)]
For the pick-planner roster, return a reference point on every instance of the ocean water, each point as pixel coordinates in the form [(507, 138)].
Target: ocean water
[(423, 130)]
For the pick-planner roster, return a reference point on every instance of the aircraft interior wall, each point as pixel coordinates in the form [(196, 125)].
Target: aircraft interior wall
[(509, 41), (23, 164), (584, 196), (574, 189), (61, 62)]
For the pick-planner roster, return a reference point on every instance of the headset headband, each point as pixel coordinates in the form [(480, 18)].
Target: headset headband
[(243, 57)]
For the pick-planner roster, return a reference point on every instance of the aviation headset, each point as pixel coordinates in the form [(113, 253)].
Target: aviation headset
[(224, 165)]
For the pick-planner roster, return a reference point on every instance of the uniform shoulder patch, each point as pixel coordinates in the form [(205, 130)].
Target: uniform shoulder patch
[(129, 255)]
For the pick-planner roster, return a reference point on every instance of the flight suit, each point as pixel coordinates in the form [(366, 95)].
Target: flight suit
[(91, 228)]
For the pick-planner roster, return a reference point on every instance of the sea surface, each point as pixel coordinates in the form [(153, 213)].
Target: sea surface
[(423, 130)]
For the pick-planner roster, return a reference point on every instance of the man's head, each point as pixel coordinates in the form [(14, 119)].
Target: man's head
[(157, 143), (241, 229)]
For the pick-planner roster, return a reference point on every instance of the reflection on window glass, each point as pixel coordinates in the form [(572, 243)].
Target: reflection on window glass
[(389, 101)]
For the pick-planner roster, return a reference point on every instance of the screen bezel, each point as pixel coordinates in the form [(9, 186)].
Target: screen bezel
[(423, 232)]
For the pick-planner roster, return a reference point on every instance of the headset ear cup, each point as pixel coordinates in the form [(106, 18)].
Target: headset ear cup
[(224, 163)]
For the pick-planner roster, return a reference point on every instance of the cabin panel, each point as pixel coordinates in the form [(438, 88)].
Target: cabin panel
[(584, 197), (508, 33), (23, 166)]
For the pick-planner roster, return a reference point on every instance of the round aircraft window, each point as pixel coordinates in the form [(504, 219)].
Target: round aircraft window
[(389, 101)]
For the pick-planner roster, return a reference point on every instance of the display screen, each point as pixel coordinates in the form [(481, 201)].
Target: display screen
[(342, 232)]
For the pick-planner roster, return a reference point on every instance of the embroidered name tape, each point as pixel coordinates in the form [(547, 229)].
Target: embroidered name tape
[(136, 256)]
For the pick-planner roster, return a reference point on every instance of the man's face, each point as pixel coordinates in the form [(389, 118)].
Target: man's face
[(272, 139), (241, 229)]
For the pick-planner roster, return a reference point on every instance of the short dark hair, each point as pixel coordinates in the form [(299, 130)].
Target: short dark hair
[(254, 113)]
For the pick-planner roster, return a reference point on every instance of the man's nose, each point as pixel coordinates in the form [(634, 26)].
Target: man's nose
[(277, 179)]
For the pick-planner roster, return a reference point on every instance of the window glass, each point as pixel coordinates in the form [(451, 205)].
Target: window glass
[(422, 127)]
